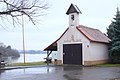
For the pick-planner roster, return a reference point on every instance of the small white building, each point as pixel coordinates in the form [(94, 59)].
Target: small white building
[(80, 45)]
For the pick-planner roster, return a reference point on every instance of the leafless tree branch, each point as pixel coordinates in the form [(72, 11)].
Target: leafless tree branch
[(16, 8)]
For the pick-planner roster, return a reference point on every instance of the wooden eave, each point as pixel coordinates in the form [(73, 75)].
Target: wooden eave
[(53, 46)]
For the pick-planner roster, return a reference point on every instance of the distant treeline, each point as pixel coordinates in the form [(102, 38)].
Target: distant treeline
[(7, 51), (32, 52)]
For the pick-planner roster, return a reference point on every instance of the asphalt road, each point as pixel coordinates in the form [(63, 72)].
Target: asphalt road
[(62, 73)]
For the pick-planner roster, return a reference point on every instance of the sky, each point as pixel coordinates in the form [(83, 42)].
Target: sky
[(96, 14)]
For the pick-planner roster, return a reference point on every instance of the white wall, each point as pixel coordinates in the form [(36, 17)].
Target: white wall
[(99, 51), (76, 19), (54, 55), (91, 51), (73, 36)]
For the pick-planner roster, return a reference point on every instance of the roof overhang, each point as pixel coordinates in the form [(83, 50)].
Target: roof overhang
[(53, 46)]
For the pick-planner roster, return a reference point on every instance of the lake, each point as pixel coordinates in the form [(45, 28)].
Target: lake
[(30, 58)]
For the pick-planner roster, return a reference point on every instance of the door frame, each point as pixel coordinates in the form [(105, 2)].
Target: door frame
[(75, 43)]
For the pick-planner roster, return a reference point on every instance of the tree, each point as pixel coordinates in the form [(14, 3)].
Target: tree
[(114, 34), (9, 52), (13, 9)]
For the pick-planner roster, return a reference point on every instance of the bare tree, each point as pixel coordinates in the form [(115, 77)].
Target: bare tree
[(11, 10)]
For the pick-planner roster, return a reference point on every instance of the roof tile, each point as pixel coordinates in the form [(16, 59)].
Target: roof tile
[(93, 34)]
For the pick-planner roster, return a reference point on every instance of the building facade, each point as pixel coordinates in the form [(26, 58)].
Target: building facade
[(80, 45)]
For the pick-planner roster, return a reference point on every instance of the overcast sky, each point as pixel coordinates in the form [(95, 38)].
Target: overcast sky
[(95, 14)]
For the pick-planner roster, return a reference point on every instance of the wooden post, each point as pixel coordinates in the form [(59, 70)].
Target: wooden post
[(48, 53), (47, 58), (0, 59)]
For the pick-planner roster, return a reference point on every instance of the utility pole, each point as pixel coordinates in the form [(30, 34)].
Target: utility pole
[(23, 35)]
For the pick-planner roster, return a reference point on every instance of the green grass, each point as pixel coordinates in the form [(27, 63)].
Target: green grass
[(108, 65), (43, 63), (27, 64)]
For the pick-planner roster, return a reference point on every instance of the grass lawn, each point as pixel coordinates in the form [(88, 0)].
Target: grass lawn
[(108, 65), (43, 63), (27, 64)]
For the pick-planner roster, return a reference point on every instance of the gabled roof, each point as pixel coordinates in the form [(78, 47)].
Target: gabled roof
[(73, 8), (94, 35), (53, 46)]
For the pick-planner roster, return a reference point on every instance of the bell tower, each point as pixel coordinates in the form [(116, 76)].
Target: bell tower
[(73, 13)]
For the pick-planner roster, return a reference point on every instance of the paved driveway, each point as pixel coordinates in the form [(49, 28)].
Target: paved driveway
[(62, 73)]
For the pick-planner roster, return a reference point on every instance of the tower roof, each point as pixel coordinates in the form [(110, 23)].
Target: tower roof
[(72, 9)]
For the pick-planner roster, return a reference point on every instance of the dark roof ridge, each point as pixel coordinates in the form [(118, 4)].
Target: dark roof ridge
[(73, 8)]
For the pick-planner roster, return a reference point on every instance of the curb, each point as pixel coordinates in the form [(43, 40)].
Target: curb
[(22, 67)]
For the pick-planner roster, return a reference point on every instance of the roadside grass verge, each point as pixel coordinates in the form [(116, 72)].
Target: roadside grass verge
[(43, 63), (27, 64), (108, 65)]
